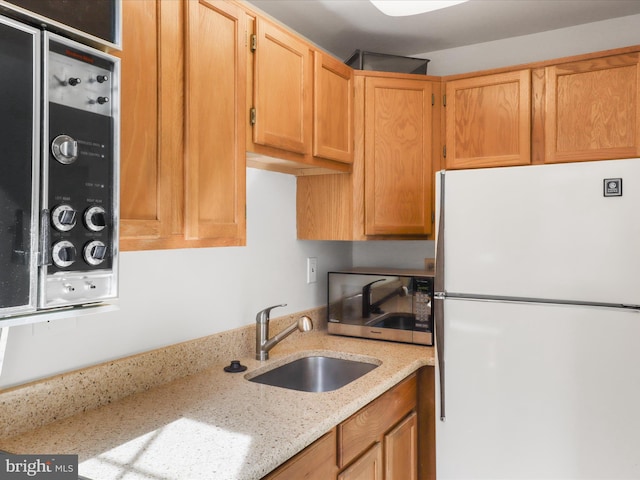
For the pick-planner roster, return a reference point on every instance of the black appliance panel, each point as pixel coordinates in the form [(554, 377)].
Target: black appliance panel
[(18, 160), (80, 171), (95, 17), (84, 184)]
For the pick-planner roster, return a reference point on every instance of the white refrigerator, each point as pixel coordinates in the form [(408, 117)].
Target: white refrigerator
[(537, 316)]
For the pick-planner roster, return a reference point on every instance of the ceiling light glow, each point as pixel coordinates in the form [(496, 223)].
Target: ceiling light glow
[(403, 8)]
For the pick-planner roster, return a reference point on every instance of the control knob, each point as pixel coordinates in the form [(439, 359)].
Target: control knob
[(63, 218), (95, 218), (102, 78), (103, 100), (64, 149), (74, 81), (95, 252), (63, 254)]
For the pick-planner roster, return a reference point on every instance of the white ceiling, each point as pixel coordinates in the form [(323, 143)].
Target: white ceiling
[(341, 26)]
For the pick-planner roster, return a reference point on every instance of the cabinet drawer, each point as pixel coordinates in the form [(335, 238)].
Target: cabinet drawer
[(316, 462), (365, 427)]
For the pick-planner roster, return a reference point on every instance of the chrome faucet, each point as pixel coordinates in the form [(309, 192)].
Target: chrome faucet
[(263, 343)]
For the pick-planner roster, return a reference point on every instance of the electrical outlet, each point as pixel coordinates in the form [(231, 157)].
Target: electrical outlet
[(312, 269)]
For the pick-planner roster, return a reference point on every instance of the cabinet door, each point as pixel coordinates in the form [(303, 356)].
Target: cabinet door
[(282, 84), (488, 121), (151, 102), (215, 105), (367, 467), (397, 156), (593, 109), (401, 450), (332, 109)]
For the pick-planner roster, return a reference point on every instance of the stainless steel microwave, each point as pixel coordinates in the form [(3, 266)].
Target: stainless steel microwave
[(383, 304)]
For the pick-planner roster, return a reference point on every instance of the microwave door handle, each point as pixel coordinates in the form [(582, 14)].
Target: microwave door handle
[(45, 237)]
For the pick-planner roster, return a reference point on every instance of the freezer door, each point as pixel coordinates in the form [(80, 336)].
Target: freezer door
[(19, 162), (540, 392), (545, 232)]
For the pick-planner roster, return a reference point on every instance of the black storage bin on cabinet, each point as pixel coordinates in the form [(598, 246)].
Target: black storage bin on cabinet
[(381, 62)]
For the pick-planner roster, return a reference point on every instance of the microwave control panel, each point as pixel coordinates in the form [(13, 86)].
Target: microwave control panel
[(422, 303)]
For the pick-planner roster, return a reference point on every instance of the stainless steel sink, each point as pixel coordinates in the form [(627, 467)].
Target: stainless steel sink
[(314, 374)]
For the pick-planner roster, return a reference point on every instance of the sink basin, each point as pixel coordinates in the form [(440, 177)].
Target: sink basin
[(400, 321), (314, 374)]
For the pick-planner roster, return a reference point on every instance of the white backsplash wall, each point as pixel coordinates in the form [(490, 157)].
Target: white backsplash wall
[(397, 254), (169, 296)]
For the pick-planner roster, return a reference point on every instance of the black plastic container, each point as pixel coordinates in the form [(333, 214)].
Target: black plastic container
[(381, 62)]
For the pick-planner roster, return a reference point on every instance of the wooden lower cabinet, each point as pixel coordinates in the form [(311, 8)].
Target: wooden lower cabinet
[(379, 442), (367, 467), (316, 462), (371, 423), (401, 450)]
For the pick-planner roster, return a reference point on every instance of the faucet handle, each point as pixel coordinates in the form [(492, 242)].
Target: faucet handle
[(263, 315)]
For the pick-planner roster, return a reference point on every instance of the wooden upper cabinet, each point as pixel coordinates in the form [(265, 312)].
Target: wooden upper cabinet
[(183, 138), (139, 120), (215, 57), (397, 156), (151, 102), (282, 89), (332, 109), (488, 120), (593, 109), (389, 194)]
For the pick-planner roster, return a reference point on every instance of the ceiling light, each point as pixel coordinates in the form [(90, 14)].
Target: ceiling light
[(403, 8)]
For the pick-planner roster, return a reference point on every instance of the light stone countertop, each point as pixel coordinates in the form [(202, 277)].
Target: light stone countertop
[(215, 425)]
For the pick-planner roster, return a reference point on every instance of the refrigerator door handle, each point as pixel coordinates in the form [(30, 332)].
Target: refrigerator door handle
[(439, 328), (438, 307), (439, 276)]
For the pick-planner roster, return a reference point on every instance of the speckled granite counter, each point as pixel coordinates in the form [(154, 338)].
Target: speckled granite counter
[(215, 425)]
